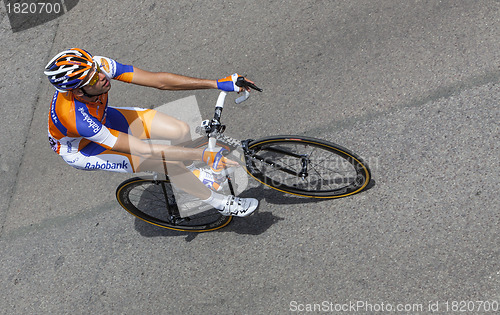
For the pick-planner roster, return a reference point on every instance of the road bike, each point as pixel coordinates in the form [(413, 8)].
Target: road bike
[(292, 164)]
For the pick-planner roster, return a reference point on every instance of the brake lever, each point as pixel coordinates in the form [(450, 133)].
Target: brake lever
[(241, 82)]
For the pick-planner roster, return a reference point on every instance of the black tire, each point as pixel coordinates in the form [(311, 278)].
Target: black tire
[(145, 199), (331, 172)]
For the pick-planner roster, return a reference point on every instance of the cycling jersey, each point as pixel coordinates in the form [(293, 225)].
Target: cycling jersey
[(83, 133)]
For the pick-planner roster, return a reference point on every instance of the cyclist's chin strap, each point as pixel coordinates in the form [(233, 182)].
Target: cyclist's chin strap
[(88, 95)]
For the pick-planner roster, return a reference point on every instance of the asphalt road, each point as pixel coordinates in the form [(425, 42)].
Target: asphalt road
[(412, 86)]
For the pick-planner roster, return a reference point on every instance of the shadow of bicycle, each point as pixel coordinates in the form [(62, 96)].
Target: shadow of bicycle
[(256, 224)]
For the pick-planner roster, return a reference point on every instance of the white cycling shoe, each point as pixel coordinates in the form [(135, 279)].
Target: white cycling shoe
[(239, 207)]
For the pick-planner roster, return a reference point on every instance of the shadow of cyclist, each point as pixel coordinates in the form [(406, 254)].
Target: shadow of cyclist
[(256, 224)]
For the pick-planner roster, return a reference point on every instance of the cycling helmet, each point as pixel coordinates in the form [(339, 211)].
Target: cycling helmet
[(68, 69)]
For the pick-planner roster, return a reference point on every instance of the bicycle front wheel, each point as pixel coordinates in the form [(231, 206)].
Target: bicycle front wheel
[(306, 167), (154, 202)]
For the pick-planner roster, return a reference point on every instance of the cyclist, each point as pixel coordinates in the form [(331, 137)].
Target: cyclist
[(88, 134)]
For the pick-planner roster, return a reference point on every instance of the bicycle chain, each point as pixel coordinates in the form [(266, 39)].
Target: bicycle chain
[(229, 141)]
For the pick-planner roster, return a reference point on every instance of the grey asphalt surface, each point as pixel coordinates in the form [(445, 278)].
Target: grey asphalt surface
[(412, 86)]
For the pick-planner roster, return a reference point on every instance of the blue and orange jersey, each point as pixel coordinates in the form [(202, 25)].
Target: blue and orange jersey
[(73, 123)]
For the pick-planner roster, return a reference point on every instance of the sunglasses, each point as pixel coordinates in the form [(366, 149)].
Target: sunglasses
[(95, 77)]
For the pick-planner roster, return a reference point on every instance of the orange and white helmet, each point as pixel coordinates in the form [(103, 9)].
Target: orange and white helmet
[(67, 70)]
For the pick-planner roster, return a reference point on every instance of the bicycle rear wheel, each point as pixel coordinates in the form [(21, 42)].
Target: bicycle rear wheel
[(154, 202), (306, 167)]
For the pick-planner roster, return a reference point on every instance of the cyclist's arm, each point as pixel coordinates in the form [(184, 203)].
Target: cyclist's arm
[(170, 81), (129, 144)]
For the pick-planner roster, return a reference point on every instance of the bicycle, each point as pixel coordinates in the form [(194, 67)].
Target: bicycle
[(298, 165)]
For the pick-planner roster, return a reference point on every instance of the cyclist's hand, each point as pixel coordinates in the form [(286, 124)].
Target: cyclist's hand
[(228, 84), (216, 160)]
